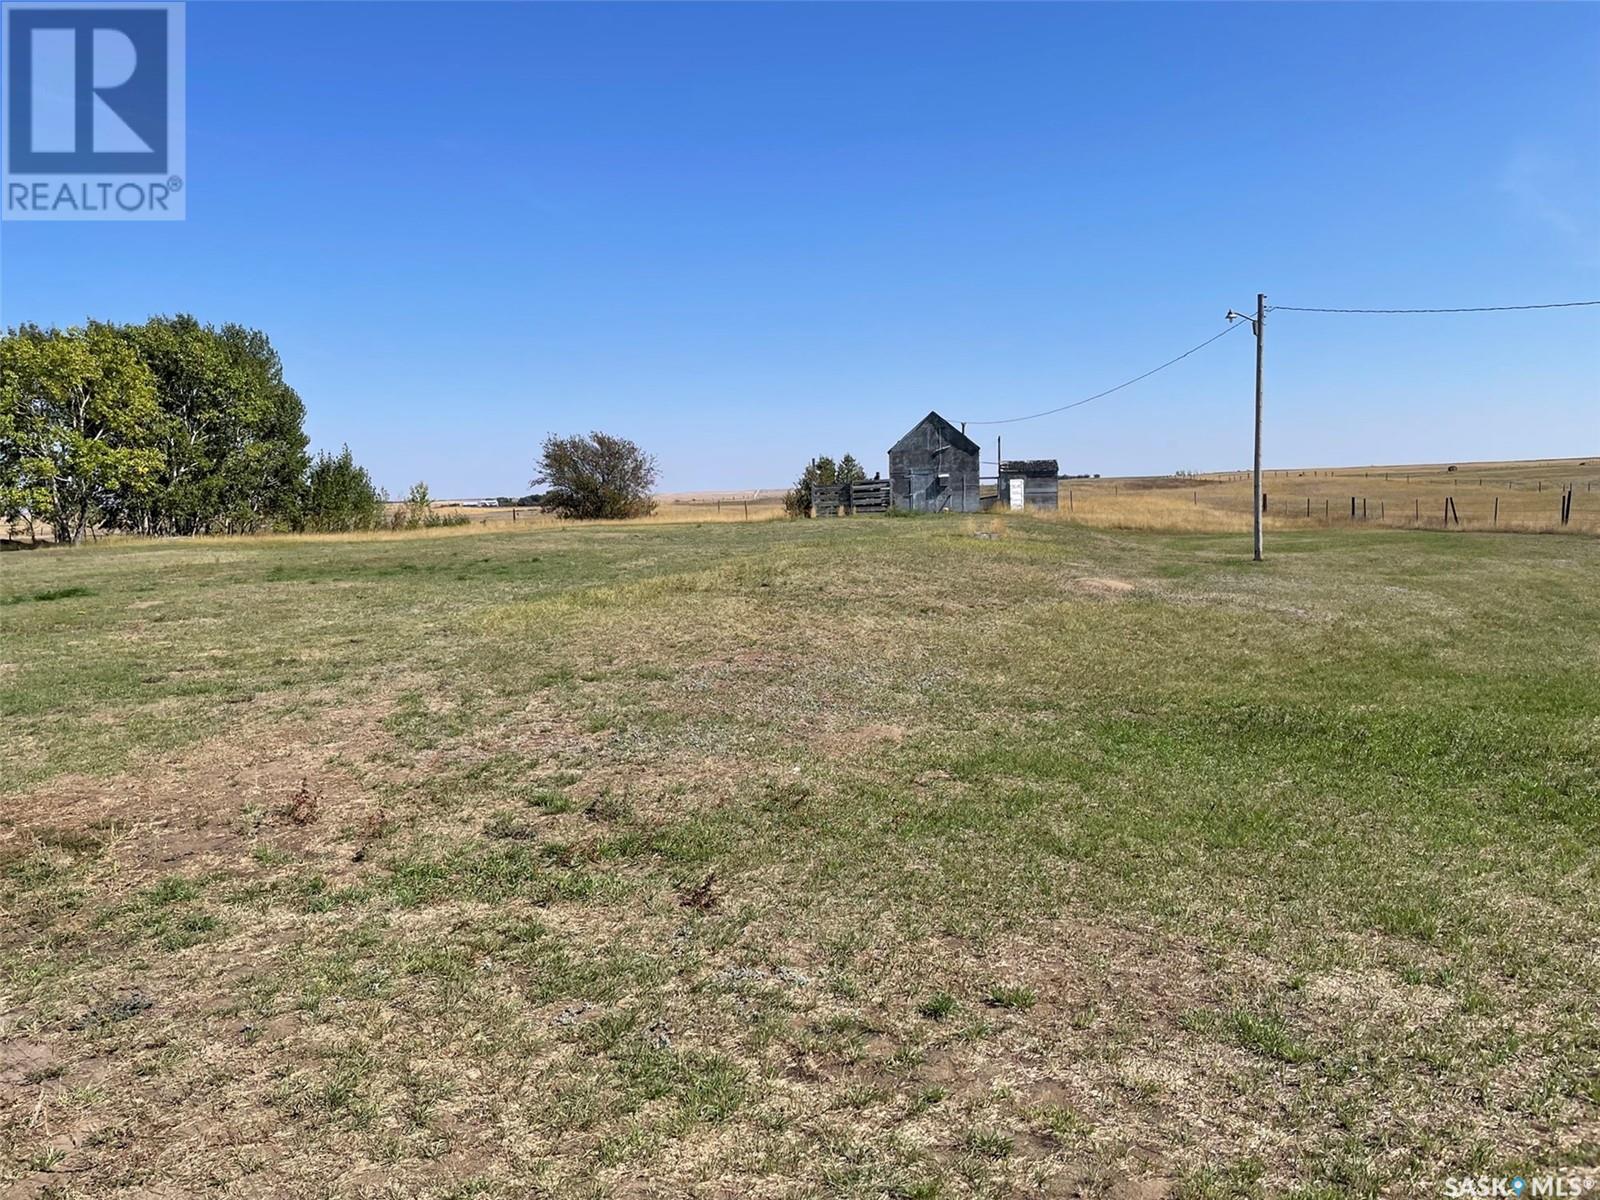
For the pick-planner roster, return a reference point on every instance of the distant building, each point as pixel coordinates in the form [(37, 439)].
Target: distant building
[(1029, 483), (934, 468)]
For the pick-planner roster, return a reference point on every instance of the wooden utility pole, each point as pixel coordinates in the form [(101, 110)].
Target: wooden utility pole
[(1261, 347), (1259, 324)]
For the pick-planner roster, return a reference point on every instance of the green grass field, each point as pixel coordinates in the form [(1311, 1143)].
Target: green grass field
[(911, 858)]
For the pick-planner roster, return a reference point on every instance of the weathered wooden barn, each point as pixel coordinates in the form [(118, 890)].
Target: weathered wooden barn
[(1029, 483), (934, 468)]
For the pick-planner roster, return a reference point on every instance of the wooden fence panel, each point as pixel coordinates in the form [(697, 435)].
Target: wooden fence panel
[(870, 496)]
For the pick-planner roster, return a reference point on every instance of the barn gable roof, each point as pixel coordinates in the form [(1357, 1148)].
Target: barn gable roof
[(953, 435)]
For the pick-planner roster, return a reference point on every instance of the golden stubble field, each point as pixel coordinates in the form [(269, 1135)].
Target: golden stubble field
[(1520, 496), (1513, 496)]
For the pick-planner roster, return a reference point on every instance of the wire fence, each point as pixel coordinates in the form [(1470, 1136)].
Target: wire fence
[(1420, 498)]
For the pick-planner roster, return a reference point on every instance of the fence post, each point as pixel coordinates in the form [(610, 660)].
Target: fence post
[(1352, 508), (1497, 510)]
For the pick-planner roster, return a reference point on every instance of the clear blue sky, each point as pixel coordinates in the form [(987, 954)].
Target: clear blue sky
[(743, 235)]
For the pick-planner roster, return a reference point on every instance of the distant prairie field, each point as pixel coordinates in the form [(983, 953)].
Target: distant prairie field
[(992, 856), (1467, 497), (1514, 496)]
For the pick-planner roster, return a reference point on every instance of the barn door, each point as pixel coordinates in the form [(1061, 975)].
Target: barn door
[(923, 485)]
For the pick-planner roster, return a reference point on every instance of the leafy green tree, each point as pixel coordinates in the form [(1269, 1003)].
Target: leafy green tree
[(416, 510), (231, 431), (850, 471), (78, 420), (340, 495), (418, 503), (599, 477), (797, 500), (22, 501)]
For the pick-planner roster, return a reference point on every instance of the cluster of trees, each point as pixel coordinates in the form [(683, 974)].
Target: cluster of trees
[(173, 427), (820, 472), (169, 427)]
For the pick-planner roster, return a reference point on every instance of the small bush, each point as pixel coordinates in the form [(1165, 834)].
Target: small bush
[(340, 496)]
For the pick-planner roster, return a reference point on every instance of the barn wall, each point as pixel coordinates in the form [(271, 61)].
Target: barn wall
[(915, 465), (1040, 491), (1043, 493)]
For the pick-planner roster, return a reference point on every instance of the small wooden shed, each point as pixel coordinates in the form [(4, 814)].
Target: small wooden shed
[(934, 468), (1030, 483)]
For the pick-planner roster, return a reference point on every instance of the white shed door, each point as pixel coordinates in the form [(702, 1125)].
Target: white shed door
[(1016, 493)]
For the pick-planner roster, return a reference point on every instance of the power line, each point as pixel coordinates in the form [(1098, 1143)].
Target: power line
[(1277, 308), (1487, 308), (1128, 383)]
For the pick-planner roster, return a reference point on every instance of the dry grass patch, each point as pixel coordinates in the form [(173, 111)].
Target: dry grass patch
[(825, 859)]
